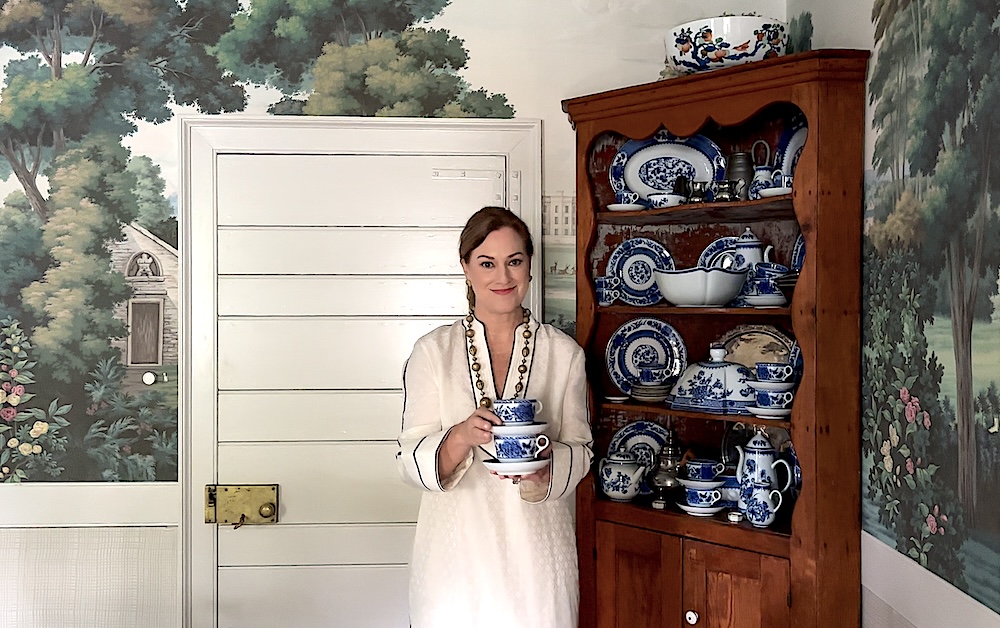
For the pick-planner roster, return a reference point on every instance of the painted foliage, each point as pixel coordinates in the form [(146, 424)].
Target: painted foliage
[(932, 252), (89, 260)]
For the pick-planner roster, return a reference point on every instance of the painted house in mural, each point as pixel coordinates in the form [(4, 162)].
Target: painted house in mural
[(150, 267)]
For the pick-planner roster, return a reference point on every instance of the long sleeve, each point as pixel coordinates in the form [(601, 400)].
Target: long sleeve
[(423, 432), (572, 449)]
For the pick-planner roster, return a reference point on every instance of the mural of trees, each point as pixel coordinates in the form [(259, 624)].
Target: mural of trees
[(84, 74), (933, 250)]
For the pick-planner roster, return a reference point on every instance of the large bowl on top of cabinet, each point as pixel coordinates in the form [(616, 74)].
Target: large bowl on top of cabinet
[(700, 286), (721, 42)]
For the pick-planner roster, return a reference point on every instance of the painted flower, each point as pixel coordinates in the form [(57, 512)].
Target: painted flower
[(13, 443), (893, 435), (6, 386), (15, 349), (927, 420), (909, 466), (39, 428), (3, 367), (910, 412), (932, 524), (36, 449), (13, 399), (915, 402), (885, 449), (944, 518), (3, 396), (25, 449), (13, 372), (887, 463), (18, 390), (5, 469), (8, 414), (904, 395)]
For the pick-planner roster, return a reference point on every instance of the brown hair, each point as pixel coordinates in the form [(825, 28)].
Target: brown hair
[(480, 225)]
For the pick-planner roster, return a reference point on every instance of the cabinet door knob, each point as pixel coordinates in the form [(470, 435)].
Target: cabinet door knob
[(691, 618)]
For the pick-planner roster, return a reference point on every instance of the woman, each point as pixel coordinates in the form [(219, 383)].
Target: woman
[(492, 550)]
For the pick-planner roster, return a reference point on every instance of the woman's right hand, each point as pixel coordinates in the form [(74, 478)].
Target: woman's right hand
[(477, 429)]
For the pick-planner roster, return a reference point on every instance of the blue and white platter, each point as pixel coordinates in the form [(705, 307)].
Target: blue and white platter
[(798, 254), (634, 262), (651, 165), (719, 254), (789, 149), (642, 439), (643, 341)]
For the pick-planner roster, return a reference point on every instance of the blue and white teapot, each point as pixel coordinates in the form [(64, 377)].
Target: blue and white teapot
[(750, 251), (758, 462), (621, 473)]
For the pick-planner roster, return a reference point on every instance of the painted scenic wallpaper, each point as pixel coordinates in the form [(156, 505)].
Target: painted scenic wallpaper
[(88, 236), (931, 353)]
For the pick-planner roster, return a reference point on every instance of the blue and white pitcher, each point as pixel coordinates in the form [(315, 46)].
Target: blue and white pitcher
[(757, 465)]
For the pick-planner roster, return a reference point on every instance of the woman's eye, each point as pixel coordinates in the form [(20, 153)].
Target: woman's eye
[(487, 264), (516, 262)]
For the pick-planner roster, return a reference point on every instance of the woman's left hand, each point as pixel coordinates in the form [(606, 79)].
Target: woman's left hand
[(541, 476)]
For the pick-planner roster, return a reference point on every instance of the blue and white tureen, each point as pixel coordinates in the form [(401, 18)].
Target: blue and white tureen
[(716, 386)]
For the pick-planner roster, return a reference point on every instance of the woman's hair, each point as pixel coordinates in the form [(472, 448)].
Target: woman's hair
[(486, 221), (480, 225)]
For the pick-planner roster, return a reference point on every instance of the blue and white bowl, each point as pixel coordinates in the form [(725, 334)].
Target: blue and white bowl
[(721, 42)]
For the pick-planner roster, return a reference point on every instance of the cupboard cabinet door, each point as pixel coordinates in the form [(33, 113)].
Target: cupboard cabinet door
[(728, 588), (638, 578)]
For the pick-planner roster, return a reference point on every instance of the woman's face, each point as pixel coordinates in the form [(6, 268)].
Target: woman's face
[(499, 271)]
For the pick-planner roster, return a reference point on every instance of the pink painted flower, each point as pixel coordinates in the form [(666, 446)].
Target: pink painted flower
[(941, 531), (18, 390), (904, 394), (915, 402), (935, 511), (909, 466), (13, 372), (927, 420), (3, 367), (8, 414), (918, 461), (932, 524), (910, 412), (944, 518), (6, 386)]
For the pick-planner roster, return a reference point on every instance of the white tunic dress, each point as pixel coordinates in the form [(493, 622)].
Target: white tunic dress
[(488, 552)]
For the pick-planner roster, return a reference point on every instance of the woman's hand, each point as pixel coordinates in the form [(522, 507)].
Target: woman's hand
[(477, 429), (541, 476)]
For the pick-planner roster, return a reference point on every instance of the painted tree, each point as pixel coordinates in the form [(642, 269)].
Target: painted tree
[(355, 57), (23, 258), (154, 210), (952, 142), (99, 65)]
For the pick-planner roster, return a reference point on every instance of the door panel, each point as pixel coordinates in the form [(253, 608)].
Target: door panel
[(310, 353), (322, 414), (418, 190), (348, 596), (336, 250), (354, 482), (368, 544), (325, 295)]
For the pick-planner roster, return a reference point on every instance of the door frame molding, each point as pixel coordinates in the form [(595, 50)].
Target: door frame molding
[(203, 139)]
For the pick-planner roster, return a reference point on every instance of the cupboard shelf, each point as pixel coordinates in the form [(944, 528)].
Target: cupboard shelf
[(663, 410), (663, 310), (776, 208)]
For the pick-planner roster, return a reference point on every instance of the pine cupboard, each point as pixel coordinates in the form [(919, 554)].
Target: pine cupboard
[(646, 567)]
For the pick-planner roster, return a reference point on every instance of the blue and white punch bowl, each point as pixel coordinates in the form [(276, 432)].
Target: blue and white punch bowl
[(700, 286)]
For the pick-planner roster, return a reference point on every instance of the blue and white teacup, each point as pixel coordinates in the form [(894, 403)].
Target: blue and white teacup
[(607, 289), (762, 286), (774, 371), (517, 411), (776, 399), (701, 497), (652, 373), (769, 270), (626, 197), (780, 180), (730, 490), (703, 469), (519, 448)]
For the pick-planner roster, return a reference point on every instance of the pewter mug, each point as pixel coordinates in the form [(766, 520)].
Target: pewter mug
[(739, 167)]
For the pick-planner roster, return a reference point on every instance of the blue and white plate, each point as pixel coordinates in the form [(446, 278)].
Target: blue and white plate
[(789, 149), (642, 439), (700, 511), (634, 262), (719, 254), (650, 166), (643, 341), (798, 254)]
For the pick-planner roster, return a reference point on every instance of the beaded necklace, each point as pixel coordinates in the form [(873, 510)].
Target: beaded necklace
[(470, 333)]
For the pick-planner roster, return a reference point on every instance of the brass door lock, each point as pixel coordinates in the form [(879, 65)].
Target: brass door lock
[(244, 504)]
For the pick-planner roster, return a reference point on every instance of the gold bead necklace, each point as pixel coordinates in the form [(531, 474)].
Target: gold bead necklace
[(522, 369)]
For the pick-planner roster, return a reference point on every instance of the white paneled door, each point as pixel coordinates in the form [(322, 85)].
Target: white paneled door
[(316, 251)]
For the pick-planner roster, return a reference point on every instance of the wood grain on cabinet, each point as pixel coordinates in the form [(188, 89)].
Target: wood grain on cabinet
[(638, 578), (818, 550)]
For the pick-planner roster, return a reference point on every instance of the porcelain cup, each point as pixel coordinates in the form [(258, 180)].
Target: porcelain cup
[(702, 498), (702, 469), (769, 270), (780, 180), (652, 373), (625, 197), (774, 371), (519, 448), (660, 200), (730, 490), (516, 411), (607, 290), (774, 398)]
